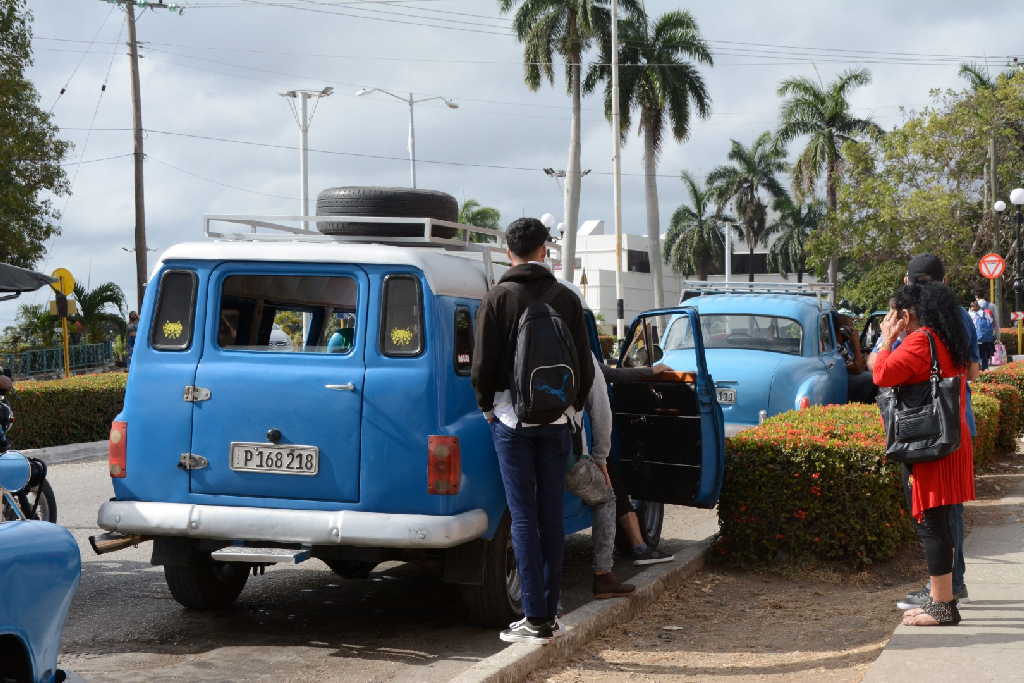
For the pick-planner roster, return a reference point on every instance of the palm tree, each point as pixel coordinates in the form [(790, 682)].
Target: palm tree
[(694, 241), (93, 310), (753, 172), (473, 213), (978, 76), (567, 28), (793, 226), (822, 113), (663, 85)]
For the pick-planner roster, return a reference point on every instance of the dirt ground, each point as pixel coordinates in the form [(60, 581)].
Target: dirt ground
[(769, 626)]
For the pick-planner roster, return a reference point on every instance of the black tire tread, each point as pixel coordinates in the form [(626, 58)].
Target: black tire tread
[(384, 201), (195, 586)]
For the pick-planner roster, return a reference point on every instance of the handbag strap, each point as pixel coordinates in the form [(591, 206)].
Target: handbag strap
[(934, 376)]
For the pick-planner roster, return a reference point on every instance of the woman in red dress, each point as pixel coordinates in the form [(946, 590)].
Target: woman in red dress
[(917, 311)]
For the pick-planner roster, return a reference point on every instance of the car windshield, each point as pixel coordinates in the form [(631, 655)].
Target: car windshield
[(737, 331)]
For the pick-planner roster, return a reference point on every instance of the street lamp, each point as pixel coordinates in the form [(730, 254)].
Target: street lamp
[(451, 104), (1017, 199), (304, 120)]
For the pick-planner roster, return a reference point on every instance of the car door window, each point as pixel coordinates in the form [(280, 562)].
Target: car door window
[(463, 341), (827, 341), (401, 330), (175, 311)]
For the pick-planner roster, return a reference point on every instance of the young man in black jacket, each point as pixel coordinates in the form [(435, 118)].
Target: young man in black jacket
[(532, 458)]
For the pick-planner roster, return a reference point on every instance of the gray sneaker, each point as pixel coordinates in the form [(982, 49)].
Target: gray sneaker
[(651, 556), (916, 599), (961, 595)]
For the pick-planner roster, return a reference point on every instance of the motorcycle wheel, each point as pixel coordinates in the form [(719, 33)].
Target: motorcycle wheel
[(43, 500)]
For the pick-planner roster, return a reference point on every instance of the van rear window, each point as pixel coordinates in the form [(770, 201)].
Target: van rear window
[(288, 313), (175, 311), (401, 330)]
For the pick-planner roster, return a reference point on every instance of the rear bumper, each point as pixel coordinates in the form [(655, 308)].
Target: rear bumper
[(308, 527)]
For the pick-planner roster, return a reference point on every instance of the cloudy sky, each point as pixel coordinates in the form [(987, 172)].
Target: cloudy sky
[(215, 71)]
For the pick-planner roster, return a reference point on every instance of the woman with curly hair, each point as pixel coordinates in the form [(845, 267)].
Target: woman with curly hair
[(919, 311)]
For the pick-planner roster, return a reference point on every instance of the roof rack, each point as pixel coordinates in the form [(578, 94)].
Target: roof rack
[(819, 290), (491, 250)]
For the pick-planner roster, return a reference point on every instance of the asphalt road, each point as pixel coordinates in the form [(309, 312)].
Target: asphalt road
[(293, 624)]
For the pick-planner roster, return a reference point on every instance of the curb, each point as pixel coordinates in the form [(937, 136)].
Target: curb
[(581, 625), (72, 452)]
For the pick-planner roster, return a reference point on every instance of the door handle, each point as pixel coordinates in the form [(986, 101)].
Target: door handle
[(341, 387)]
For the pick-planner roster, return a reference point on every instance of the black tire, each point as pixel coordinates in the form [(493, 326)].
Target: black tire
[(498, 602), (351, 569), (206, 584), (651, 516), (45, 510), (385, 201)]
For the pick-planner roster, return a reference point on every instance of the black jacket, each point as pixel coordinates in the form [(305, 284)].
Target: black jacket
[(497, 318)]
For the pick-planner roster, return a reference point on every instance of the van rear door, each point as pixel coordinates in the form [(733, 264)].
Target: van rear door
[(670, 429), (276, 418)]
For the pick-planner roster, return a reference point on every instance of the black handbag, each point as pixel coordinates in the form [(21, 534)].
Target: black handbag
[(922, 421)]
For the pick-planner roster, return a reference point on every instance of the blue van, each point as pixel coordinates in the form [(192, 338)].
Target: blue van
[(360, 441)]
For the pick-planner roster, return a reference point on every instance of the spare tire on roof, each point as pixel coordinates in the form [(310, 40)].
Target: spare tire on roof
[(400, 202)]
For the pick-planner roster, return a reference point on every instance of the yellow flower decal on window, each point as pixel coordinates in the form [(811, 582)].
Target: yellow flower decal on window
[(401, 336), (173, 330)]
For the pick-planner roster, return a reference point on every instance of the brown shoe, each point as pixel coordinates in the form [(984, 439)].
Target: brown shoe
[(608, 586)]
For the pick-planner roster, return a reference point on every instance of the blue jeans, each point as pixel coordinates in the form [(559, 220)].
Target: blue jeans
[(956, 528), (532, 462)]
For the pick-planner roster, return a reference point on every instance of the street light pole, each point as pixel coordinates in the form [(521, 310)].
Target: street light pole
[(412, 102), (1017, 199), (620, 314), (304, 120)]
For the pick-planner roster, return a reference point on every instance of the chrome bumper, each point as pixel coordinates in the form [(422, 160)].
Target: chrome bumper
[(309, 527), (734, 428)]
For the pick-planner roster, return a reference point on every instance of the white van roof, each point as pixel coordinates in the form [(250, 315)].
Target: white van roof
[(458, 274)]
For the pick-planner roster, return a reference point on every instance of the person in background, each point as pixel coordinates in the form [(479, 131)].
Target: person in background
[(132, 333), (985, 329), (532, 458), (860, 387), (927, 268), (920, 311)]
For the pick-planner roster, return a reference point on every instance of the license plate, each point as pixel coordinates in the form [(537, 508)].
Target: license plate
[(726, 396), (269, 458)]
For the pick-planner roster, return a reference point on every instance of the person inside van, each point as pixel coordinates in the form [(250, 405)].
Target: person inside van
[(532, 447), (861, 388)]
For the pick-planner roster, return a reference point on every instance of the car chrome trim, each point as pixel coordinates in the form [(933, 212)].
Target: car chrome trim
[(310, 527)]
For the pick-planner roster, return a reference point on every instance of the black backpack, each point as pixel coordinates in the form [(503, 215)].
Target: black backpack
[(545, 366)]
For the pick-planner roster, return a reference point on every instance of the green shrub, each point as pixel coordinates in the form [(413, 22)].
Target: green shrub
[(987, 422), (1008, 335), (812, 484), (65, 411), (1010, 407)]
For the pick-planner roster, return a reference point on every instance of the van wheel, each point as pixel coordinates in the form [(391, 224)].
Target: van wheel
[(206, 584), (351, 569), (651, 516), (499, 601)]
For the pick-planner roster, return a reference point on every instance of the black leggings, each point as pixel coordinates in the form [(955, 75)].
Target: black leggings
[(934, 533), (623, 506), (937, 539)]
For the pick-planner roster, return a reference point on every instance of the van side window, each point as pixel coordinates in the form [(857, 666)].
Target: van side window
[(463, 340), (175, 311), (826, 335), (401, 329), (288, 313)]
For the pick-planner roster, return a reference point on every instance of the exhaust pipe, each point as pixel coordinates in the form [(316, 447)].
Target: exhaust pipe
[(115, 540)]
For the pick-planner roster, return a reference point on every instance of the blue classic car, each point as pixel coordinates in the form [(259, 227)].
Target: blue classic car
[(39, 572), (769, 348)]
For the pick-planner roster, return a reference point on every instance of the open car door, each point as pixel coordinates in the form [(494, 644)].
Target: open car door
[(670, 437)]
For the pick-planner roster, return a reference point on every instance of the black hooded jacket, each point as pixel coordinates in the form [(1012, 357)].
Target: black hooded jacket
[(497, 317)]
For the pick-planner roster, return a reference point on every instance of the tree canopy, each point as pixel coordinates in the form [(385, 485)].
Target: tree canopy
[(31, 152)]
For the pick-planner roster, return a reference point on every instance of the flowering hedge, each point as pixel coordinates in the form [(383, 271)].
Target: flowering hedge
[(987, 420), (62, 411), (1010, 407), (812, 483)]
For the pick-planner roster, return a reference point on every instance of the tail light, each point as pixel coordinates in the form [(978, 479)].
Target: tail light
[(805, 402), (444, 465), (117, 452)]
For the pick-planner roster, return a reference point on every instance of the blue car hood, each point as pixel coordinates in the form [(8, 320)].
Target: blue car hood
[(750, 373)]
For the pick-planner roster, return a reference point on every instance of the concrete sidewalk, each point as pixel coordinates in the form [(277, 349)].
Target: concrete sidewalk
[(988, 645)]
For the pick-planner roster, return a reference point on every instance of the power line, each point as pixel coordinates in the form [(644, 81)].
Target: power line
[(150, 157), (93, 161), (82, 59)]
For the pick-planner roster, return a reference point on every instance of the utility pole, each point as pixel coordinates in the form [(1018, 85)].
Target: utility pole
[(141, 252), (620, 313), (304, 120)]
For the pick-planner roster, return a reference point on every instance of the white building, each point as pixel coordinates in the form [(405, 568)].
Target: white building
[(595, 271)]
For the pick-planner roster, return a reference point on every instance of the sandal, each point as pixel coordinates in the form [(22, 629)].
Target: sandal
[(944, 613)]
